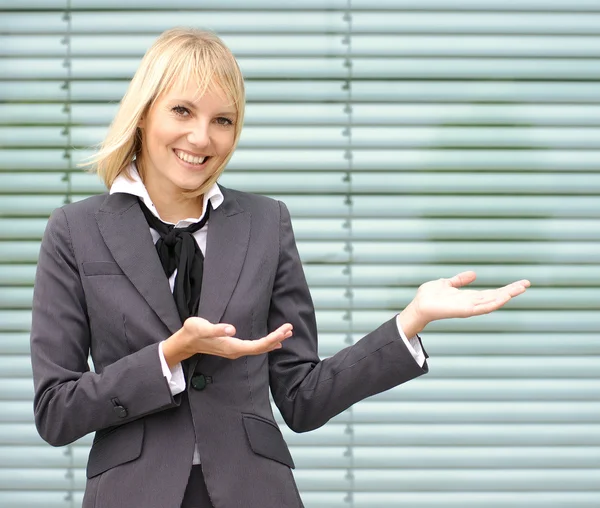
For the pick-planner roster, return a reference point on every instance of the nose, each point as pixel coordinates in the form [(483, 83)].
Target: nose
[(199, 135)]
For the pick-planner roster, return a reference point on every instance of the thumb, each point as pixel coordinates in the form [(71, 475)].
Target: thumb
[(221, 329), (462, 279), (205, 328)]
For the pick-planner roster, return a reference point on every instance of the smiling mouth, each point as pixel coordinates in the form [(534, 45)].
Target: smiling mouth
[(191, 159)]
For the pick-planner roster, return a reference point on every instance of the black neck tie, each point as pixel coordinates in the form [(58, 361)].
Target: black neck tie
[(177, 249)]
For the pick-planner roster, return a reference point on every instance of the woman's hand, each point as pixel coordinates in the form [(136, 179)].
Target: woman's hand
[(442, 298), (200, 336)]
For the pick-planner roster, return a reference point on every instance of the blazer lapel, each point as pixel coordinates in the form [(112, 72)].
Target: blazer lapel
[(127, 235), (226, 246)]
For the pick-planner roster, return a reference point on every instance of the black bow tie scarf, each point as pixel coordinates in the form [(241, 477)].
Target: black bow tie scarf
[(177, 250)]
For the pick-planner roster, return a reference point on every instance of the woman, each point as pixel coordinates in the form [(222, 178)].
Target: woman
[(179, 397)]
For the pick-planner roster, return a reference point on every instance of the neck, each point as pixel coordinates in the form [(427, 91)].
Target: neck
[(173, 209), (172, 204)]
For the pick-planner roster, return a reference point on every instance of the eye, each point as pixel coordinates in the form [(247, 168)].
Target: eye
[(221, 120), (180, 110)]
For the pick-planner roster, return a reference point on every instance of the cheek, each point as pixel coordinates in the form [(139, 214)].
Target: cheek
[(224, 142), (163, 134)]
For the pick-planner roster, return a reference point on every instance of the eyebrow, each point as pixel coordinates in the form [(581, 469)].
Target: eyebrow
[(191, 105)]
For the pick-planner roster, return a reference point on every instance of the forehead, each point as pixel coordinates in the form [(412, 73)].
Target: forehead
[(193, 91)]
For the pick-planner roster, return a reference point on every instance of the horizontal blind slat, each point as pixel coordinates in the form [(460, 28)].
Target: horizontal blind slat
[(330, 137), (318, 21), (368, 206), (363, 299), (473, 367), (390, 229), (318, 45), (516, 5), (524, 116), (303, 90), (365, 457), (323, 68)]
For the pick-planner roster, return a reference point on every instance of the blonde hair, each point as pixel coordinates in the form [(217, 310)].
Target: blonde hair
[(179, 53)]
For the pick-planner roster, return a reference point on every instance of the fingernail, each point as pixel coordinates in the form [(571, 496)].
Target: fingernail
[(229, 330)]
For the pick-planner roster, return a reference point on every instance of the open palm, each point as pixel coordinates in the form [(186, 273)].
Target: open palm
[(443, 298)]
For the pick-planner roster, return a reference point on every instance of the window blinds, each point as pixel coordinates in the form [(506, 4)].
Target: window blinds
[(410, 140)]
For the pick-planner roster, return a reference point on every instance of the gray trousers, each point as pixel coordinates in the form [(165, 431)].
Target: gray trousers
[(196, 495)]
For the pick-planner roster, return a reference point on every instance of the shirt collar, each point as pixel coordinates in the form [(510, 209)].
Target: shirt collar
[(134, 185)]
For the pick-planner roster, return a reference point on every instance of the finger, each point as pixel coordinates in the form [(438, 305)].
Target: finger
[(282, 333), (462, 279), (219, 330), (484, 297), (486, 308), (268, 342), (277, 336), (502, 298), (204, 328), (489, 295), (476, 303), (515, 288), (264, 345), (283, 328)]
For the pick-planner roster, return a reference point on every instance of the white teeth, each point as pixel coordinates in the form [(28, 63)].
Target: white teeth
[(190, 158)]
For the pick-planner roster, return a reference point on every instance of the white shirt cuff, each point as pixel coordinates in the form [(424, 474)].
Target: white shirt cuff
[(413, 345), (174, 376)]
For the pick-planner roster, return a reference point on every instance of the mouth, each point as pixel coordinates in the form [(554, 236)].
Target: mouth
[(192, 160)]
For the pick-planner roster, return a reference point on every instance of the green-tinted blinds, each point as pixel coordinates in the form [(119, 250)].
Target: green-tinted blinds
[(411, 140)]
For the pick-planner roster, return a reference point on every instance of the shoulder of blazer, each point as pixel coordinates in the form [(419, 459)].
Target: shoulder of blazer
[(87, 206), (234, 201), (250, 202)]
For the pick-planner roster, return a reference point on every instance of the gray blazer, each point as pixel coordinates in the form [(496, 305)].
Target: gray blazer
[(100, 290)]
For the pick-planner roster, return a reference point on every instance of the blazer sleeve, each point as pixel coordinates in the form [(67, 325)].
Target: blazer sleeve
[(69, 400), (309, 391)]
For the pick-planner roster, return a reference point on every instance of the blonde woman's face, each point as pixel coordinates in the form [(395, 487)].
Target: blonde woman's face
[(185, 139)]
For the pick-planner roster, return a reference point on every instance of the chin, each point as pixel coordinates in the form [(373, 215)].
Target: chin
[(187, 180), (189, 187), (190, 184)]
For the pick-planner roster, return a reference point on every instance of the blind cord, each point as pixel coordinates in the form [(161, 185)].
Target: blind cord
[(349, 292)]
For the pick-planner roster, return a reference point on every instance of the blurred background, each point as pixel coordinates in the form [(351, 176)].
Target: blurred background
[(411, 139)]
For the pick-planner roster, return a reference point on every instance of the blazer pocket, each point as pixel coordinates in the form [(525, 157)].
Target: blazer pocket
[(102, 268), (266, 440), (115, 446)]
